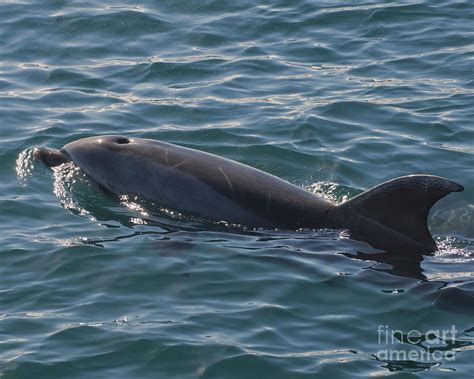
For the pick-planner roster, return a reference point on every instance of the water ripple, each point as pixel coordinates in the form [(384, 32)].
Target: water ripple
[(333, 96)]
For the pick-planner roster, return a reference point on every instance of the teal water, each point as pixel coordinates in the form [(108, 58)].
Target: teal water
[(334, 96)]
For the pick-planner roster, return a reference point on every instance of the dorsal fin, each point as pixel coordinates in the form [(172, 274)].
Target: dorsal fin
[(403, 204)]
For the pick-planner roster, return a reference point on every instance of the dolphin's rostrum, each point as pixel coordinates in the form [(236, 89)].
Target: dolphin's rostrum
[(391, 216)]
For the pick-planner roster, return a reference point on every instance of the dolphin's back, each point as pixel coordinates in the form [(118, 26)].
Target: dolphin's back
[(206, 185)]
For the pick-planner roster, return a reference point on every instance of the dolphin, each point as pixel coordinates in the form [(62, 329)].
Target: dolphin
[(391, 216)]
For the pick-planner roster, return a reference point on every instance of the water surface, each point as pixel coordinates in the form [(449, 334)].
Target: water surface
[(334, 96)]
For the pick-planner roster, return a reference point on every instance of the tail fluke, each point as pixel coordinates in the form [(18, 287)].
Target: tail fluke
[(394, 215)]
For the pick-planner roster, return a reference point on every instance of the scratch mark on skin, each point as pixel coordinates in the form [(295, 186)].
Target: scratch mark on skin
[(229, 183), (269, 199), (166, 157), (180, 163)]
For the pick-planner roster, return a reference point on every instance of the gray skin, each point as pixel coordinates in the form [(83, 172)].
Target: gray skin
[(391, 216)]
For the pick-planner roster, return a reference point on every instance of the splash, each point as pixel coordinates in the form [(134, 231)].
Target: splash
[(25, 165), (453, 249), (65, 179), (328, 190), (455, 256)]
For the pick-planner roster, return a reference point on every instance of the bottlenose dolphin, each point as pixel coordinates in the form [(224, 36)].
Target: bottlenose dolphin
[(391, 216)]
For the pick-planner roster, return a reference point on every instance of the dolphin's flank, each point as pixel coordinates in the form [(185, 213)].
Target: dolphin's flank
[(391, 216)]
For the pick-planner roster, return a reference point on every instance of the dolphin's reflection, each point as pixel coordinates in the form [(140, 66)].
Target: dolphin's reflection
[(402, 264)]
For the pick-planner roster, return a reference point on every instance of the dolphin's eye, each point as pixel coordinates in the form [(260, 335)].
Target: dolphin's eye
[(122, 140)]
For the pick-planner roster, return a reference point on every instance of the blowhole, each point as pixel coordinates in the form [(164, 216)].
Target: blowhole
[(122, 140)]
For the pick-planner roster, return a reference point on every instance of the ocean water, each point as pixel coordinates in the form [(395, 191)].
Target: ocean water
[(334, 96)]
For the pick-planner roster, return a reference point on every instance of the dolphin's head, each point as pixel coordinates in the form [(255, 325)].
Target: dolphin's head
[(83, 148), (106, 159)]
